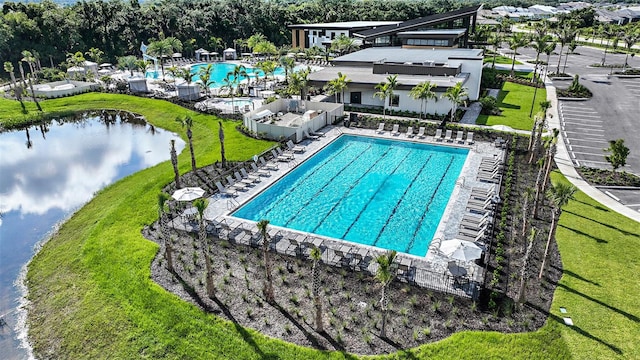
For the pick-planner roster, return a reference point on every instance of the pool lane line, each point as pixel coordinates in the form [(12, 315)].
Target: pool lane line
[(293, 188), (395, 208), (424, 213), (353, 185), (325, 185), (364, 208)]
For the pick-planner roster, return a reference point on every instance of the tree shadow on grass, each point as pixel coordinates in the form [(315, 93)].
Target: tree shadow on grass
[(598, 207), (306, 333), (574, 275), (629, 316), (577, 329), (603, 224), (579, 232)]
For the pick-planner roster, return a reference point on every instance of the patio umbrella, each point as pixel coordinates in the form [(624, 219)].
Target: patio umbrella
[(188, 194), (461, 250), (456, 270)]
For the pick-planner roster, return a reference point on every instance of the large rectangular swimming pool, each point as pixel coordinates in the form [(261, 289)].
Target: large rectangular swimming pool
[(385, 193)]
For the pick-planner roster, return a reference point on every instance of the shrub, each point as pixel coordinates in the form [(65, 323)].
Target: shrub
[(489, 106)]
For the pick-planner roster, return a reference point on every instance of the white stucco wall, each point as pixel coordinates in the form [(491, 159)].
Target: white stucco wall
[(474, 68), (406, 102)]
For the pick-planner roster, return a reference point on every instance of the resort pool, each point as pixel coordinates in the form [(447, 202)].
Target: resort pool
[(384, 193), (238, 102), (220, 71)]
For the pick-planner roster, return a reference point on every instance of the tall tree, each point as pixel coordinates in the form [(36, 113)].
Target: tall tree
[(267, 289), (516, 41), (424, 92), (165, 233), (174, 163), (385, 274), (187, 122), (495, 40), (315, 277), (551, 145), (619, 153), (386, 90), (160, 49), (287, 63), (128, 62), (17, 90), (338, 85), (204, 75), (28, 57), (456, 95), (223, 159), (630, 38), (539, 44), (559, 195), (527, 197), (571, 48), (201, 206), (522, 296), (175, 45)]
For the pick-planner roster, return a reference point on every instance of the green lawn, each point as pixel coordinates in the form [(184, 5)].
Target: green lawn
[(499, 60), (92, 296), (515, 102)]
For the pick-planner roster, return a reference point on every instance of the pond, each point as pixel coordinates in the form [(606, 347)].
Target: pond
[(49, 171)]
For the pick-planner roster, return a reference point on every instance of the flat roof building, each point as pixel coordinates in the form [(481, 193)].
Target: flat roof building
[(306, 36)]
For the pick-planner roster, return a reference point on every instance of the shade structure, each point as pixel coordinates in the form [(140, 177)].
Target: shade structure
[(106, 65), (461, 250), (176, 55), (188, 194)]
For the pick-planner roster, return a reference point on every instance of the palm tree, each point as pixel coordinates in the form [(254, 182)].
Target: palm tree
[(254, 40), (95, 54), (175, 45), (564, 34), (216, 43), (526, 205), (495, 40), (522, 297), (267, 289), (159, 49), (539, 44), (547, 51), (298, 82), (17, 90), (337, 86), (204, 74), (605, 32), (456, 95), (238, 72), (570, 49), (185, 74), (551, 145), (630, 38), (174, 162), (516, 41), (386, 90), (187, 122), (221, 137), (201, 205), (28, 57), (129, 62), (343, 44), (315, 277), (385, 274), (287, 63), (559, 195), (164, 229), (424, 92)]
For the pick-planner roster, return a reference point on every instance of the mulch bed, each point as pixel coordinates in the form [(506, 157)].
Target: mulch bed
[(351, 311)]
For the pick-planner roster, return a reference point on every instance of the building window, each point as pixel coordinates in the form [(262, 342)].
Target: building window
[(428, 42), (382, 41), (394, 101)]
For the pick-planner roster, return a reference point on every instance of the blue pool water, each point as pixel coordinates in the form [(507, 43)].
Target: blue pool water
[(385, 193), (220, 71)]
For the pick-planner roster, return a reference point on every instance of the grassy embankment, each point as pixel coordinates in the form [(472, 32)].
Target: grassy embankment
[(92, 296), (515, 102), (488, 59)]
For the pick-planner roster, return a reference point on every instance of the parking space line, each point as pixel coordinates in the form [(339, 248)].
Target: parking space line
[(595, 162), (580, 109), (589, 130), (584, 146), (572, 123), (587, 153), (581, 120), (580, 113)]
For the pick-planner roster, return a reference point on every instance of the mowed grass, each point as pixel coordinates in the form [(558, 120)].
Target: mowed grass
[(92, 296), (488, 59), (600, 252), (515, 101)]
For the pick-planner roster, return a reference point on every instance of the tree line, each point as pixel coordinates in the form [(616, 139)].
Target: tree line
[(117, 27)]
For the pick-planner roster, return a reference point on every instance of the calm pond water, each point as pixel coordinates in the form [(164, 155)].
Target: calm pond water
[(49, 171)]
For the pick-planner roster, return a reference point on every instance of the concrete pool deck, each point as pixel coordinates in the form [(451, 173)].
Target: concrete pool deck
[(430, 270)]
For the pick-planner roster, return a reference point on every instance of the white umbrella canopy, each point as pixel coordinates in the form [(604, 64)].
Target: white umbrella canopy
[(188, 194), (461, 250)]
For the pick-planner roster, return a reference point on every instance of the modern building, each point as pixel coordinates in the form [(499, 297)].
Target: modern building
[(306, 36), (413, 64)]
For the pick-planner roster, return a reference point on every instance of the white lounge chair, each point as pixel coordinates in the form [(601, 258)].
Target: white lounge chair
[(469, 138), (421, 132), (295, 148), (268, 165), (380, 128), (246, 175), (395, 131), (234, 185), (223, 190), (438, 135), (410, 132), (242, 180), (309, 136), (459, 135), (279, 157), (260, 172), (447, 135)]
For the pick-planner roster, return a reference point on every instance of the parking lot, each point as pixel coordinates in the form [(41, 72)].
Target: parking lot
[(612, 113)]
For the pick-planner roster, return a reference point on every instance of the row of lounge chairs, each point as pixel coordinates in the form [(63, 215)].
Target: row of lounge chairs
[(490, 170), (243, 180), (317, 62), (478, 219), (421, 134)]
